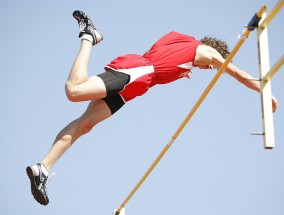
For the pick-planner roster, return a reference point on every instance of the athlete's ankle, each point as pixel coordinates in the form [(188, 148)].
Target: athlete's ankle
[(87, 37), (36, 170)]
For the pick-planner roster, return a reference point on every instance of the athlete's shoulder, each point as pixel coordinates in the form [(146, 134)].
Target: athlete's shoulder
[(206, 55)]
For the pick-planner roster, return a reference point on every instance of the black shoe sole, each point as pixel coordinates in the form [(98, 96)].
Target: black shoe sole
[(36, 193)]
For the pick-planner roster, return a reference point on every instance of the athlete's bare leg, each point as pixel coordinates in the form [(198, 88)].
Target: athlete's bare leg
[(78, 86), (96, 112)]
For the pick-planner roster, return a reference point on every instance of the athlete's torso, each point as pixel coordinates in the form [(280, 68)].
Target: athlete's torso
[(172, 56), (169, 59)]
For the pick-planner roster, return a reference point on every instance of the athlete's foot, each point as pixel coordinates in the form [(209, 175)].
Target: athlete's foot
[(38, 181), (87, 27)]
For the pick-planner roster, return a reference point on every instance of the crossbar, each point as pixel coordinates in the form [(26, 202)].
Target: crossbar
[(275, 68), (265, 22)]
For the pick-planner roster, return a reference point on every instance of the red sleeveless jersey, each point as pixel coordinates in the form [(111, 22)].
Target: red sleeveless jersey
[(169, 59), (172, 56)]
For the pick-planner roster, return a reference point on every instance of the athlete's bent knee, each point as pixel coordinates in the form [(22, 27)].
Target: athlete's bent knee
[(71, 92)]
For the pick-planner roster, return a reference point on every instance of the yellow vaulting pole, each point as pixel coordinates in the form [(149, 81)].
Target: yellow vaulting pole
[(245, 35)]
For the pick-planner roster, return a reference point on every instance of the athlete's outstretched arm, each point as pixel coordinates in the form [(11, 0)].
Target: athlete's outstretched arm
[(206, 55)]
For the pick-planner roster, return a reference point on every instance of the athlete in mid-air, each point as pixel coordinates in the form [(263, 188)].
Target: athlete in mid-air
[(172, 57)]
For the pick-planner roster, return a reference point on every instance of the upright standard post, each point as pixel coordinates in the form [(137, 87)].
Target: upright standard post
[(265, 88), (266, 74)]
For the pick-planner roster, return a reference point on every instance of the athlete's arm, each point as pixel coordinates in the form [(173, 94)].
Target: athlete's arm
[(206, 55)]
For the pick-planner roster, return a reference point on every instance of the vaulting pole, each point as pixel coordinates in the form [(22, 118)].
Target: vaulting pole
[(251, 26)]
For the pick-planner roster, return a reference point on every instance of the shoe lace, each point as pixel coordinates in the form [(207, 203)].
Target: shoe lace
[(46, 181), (42, 186), (82, 25)]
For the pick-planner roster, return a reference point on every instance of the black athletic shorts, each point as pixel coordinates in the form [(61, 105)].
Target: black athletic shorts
[(114, 82)]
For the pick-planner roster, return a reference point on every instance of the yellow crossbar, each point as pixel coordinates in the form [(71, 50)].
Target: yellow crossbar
[(272, 14), (274, 69)]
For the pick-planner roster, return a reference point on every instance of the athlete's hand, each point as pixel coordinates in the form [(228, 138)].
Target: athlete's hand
[(274, 104)]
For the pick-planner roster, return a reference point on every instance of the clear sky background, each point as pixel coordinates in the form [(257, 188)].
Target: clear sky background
[(214, 167)]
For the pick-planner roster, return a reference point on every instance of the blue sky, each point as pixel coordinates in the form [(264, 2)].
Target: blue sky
[(214, 167)]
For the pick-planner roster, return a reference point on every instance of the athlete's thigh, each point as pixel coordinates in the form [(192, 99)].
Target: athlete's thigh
[(93, 88), (103, 85), (96, 112)]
